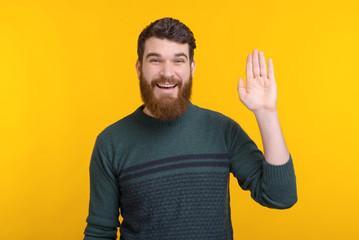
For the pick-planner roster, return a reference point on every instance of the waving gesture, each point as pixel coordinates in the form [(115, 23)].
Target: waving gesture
[(260, 94)]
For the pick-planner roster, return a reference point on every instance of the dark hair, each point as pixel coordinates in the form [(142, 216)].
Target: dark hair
[(167, 28)]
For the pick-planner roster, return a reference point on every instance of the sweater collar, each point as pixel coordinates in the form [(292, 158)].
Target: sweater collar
[(151, 121)]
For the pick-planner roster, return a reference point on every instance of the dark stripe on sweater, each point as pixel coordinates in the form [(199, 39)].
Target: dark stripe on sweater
[(174, 159), (174, 166)]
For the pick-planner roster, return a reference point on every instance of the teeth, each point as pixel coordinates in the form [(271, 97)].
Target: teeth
[(166, 85)]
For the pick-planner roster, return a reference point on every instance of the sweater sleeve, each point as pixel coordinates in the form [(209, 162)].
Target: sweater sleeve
[(273, 186), (102, 220)]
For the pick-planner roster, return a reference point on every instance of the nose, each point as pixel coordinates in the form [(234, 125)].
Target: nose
[(167, 70)]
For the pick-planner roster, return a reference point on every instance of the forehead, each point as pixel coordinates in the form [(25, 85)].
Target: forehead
[(165, 47)]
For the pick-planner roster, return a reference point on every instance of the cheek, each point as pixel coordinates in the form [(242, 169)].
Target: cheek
[(149, 73), (185, 75)]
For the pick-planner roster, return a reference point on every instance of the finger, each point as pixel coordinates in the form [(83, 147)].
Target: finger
[(255, 63), (270, 68), (262, 65), (249, 69), (241, 89)]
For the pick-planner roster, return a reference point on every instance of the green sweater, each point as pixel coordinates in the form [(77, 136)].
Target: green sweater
[(170, 180)]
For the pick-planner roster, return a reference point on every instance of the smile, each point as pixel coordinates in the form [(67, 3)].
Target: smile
[(166, 85)]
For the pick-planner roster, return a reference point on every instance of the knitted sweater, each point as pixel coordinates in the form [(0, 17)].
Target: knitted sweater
[(170, 180)]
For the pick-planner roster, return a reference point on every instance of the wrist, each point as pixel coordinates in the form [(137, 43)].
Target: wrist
[(265, 113), (267, 119)]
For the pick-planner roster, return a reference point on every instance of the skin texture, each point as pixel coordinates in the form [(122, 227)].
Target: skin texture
[(260, 96)]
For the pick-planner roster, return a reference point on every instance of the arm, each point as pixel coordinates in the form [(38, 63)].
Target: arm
[(102, 220), (269, 177), (260, 96), (273, 186)]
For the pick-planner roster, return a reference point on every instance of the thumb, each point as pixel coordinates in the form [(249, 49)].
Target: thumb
[(241, 89)]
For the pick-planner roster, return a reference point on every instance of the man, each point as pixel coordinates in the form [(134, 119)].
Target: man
[(166, 166)]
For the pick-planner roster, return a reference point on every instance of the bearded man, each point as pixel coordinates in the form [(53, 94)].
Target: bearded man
[(165, 168)]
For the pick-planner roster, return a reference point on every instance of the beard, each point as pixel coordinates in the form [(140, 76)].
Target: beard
[(166, 108)]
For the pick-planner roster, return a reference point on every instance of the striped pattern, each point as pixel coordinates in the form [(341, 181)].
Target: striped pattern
[(172, 163)]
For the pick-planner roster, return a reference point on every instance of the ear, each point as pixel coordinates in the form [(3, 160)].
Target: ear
[(138, 68), (193, 67)]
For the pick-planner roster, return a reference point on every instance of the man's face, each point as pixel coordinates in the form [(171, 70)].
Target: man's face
[(165, 78)]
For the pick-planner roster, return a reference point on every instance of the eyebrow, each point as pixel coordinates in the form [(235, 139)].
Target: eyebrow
[(181, 55), (154, 54)]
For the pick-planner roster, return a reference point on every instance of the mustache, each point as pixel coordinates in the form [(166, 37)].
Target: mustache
[(163, 80)]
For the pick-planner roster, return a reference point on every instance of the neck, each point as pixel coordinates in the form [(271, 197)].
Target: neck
[(148, 112)]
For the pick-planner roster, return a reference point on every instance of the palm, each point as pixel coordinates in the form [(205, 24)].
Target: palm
[(260, 94)]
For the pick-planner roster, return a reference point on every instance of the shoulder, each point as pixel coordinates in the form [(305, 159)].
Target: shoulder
[(119, 129), (208, 115), (219, 122)]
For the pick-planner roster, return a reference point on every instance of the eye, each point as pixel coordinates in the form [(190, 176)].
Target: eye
[(179, 61), (154, 60)]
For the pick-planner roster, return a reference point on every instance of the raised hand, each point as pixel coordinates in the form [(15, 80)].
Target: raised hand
[(260, 92)]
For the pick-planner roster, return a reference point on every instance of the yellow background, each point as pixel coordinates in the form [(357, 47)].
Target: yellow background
[(67, 70)]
